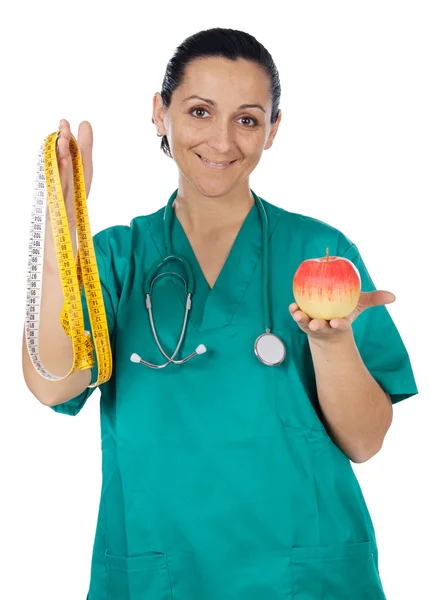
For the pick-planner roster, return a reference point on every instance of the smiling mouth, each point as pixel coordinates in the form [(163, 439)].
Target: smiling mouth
[(215, 165)]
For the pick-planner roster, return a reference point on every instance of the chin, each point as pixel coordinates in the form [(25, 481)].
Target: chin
[(212, 189)]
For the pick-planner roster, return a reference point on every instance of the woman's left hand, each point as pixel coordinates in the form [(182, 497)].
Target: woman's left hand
[(330, 330)]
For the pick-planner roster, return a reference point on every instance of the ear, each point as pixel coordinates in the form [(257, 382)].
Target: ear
[(273, 132), (158, 113)]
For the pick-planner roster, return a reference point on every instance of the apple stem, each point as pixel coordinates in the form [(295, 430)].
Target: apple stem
[(326, 254)]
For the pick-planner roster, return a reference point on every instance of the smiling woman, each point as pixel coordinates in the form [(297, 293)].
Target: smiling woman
[(228, 135), (220, 476)]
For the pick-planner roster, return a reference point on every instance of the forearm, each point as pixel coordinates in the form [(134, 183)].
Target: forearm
[(356, 409)]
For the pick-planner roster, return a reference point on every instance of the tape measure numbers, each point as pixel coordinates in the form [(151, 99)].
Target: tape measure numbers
[(73, 274)]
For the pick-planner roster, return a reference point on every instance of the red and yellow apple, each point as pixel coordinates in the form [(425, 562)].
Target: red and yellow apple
[(327, 288)]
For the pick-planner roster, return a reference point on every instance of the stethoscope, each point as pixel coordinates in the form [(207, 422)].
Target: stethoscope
[(268, 347)]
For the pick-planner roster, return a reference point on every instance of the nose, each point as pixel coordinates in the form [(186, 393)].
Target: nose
[(220, 138)]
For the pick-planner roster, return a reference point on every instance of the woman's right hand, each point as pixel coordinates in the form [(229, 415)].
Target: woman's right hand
[(65, 167)]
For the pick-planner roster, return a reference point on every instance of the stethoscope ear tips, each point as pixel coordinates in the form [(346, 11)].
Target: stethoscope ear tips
[(201, 349)]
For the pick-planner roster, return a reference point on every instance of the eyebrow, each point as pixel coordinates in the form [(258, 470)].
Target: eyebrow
[(212, 103)]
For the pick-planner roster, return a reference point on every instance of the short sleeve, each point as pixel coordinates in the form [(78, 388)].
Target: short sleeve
[(72, 407), (378, 340)]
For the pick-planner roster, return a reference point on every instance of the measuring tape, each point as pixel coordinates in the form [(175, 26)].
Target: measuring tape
[(48, 187)]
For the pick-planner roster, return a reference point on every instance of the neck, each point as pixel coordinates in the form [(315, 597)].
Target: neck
[(200, 214)]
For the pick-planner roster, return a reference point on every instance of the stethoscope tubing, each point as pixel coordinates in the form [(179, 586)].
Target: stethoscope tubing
[(152, 276)]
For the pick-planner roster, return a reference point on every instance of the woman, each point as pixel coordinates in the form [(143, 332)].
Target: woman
[(225, 478)]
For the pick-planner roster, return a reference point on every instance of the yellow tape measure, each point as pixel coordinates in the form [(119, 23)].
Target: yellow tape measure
[(73, 275)]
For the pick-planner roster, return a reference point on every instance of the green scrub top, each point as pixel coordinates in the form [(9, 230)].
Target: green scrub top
[(220, 481)]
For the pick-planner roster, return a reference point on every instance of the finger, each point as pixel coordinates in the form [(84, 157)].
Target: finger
[(318, 325), (63, 143), (340, 324), (293, 307), (385, 297), (85, 138), (85, 145), (64, 159), (301, 317), (375, 298)]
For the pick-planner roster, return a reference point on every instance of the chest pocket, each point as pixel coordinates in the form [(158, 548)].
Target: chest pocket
[(295, 385)]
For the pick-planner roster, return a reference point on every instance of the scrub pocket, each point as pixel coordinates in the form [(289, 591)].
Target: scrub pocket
[(138, 577), (341, 572)]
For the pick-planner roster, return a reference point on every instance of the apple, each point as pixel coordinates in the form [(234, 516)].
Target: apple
[(327, 288)]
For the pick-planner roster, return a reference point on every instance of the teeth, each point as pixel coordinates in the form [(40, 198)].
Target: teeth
[(216, 164)]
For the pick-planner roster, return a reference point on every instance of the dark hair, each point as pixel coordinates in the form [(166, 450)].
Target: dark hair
[(225, 43)]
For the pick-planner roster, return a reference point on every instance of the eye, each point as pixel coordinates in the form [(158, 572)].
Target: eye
[(201, 109), (250, 119), (198, 109)]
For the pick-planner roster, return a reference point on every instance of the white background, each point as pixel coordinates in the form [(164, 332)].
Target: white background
[(353, 150)]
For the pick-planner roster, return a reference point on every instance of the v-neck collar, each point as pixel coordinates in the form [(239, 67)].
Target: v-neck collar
[(179, 231), (215, 307)]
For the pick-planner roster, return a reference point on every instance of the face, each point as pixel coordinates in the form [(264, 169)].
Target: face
[(215, 126)]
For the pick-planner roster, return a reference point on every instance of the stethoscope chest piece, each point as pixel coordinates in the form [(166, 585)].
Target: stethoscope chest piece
[(270, 349)]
